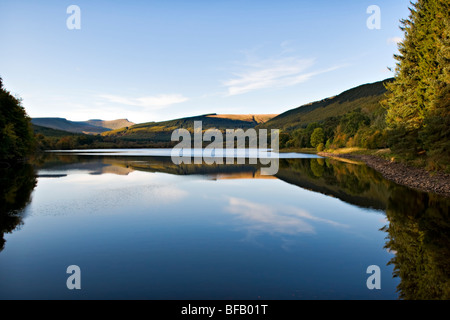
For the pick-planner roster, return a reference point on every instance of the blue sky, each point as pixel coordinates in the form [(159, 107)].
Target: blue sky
[(159, 60)]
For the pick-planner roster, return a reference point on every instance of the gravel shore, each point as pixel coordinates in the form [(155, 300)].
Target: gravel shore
[(400, 173)]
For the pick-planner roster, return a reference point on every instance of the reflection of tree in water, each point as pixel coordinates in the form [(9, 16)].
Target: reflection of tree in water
[(419, 223), (317, 167), (351, 179), (355, 179), (419, 234), (16, 185)]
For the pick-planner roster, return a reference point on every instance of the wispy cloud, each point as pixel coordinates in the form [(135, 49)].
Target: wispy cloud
[(147, 102), (272, 73)]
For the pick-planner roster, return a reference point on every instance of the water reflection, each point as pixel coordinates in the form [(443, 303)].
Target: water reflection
[(16, 184), (419, 223), (417, 233), (353, 183), (282, 219)]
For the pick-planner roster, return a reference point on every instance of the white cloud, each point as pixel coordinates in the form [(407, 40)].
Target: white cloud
[(394, 40), (272, 73), (150, 102), (268, 73)]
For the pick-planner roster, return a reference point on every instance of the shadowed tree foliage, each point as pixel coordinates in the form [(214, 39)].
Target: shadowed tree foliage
[(16, 134), (436, 133)]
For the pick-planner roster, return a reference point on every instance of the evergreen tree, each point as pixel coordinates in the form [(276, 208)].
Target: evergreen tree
[(422, 68), (417, 102)]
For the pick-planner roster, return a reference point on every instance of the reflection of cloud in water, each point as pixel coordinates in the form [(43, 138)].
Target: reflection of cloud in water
[(107, 200), (270, 219)]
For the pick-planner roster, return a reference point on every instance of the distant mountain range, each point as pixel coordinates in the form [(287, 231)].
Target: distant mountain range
[(86, 127), (366, 97)]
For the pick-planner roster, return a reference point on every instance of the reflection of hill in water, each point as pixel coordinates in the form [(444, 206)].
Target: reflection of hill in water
[(124, 165), (419, 223)]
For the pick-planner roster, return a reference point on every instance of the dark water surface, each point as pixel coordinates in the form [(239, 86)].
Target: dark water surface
[(141, 227)]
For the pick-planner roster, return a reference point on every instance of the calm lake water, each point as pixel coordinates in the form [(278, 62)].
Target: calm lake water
[(141, 227)]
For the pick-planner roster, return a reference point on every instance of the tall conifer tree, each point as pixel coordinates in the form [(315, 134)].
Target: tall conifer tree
[(417, 106), (422, 68)]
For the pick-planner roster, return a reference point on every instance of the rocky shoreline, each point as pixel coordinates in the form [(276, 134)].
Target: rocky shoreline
[(400, 173)]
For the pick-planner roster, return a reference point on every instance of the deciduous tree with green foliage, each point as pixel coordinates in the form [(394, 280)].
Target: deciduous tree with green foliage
[(317, 138), (16, 134)]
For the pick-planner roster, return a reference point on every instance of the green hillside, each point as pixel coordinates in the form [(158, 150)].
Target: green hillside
[(354, 118), (365, 97)]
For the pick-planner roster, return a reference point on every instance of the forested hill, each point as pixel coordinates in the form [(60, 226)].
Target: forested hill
[(366, 97)]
